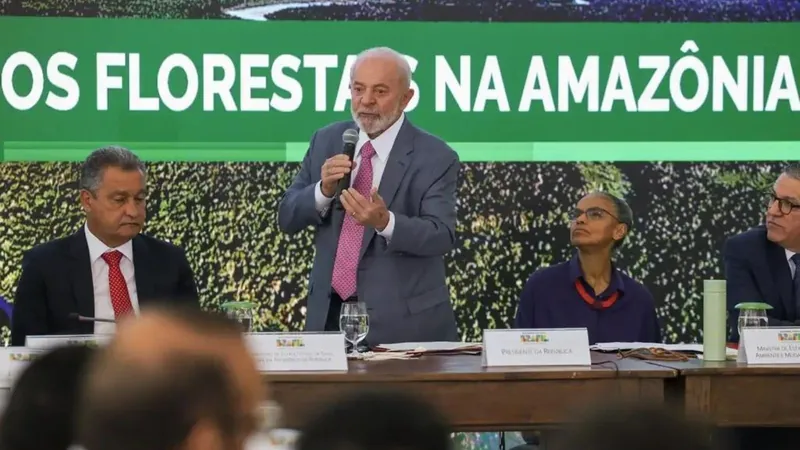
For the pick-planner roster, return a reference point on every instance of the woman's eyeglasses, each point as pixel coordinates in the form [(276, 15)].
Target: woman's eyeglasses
[(593, 213)]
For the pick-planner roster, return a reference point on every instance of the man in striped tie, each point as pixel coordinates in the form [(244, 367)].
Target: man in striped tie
[(107, 269), (382, 241)]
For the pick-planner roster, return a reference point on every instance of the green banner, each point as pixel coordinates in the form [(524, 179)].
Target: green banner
[(262, 88), (467, 151)]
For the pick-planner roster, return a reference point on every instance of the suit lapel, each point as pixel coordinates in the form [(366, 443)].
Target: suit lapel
[(142, 264), (81, 275), (393, 173), (779, 268)]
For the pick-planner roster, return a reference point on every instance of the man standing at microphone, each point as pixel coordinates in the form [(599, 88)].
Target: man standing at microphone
[(381, 241)]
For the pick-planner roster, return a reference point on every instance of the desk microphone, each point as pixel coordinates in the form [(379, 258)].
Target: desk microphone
[(80, 318), (349, 140)]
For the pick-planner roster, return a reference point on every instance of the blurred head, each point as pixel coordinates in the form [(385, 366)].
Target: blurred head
[(40, 413), (172, 379), (370, 420), (380, 89), (113, 192), (600, 221), (636, 427), (783, 209)]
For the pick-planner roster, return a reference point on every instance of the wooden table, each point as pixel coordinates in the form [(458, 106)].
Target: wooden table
[(475, 398), (732, 394)]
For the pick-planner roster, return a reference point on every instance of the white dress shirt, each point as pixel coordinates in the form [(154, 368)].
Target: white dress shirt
[(383, 146), (102, 298), (792, 267)]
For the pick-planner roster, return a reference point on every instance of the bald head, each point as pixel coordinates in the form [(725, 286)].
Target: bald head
[(159, 334), (181, 375)]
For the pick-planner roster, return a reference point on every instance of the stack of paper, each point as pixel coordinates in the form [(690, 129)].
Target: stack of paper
[(382, 355), (460, 348), (622, 346)]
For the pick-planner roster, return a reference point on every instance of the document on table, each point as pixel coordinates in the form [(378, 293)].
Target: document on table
[(431, 346), (622, 346)]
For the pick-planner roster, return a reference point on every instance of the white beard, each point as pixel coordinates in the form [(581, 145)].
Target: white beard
[(377, 126)]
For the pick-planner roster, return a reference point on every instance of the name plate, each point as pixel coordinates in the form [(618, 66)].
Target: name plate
[(298, 352), (771, 345), (54, 341), (539, 347), (13, 361)]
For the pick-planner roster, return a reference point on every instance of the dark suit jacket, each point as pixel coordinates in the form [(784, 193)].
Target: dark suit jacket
[(401, 281), (756, 270), (56, 283)]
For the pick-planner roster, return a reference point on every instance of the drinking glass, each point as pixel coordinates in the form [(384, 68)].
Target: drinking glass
[(354, 323), (752, 315), (241, 312)]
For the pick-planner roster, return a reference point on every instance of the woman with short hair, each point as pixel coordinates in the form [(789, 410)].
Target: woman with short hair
[(588, 291)]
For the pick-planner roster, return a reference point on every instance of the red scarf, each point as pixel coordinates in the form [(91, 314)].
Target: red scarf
[(594, 303)]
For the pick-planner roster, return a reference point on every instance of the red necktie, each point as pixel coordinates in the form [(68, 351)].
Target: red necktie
[(117, 288), (345, 266)]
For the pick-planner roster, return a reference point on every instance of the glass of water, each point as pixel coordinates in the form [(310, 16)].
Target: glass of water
[(354, 323), (753, 315), (241, 312)]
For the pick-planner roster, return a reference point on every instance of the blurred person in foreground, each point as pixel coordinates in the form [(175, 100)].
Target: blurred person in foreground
[(761, 263), (384, 242), (376, 420), (106, 269), (636, 427), (177, 378), (41, 410), (588, 290)]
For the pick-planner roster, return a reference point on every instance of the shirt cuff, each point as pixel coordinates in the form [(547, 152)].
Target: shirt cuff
[(321, 203), (389, 230)]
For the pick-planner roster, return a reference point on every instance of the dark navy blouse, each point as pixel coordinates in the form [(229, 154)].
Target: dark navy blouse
[(550, 300)]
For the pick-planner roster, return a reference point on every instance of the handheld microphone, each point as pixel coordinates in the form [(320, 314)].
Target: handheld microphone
[(80, 318), (349, 140)]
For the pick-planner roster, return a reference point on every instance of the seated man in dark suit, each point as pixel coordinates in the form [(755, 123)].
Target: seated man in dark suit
[(105, 270), (761, 263)]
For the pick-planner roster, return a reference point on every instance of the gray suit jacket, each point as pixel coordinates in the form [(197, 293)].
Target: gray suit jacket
[(403, 281)]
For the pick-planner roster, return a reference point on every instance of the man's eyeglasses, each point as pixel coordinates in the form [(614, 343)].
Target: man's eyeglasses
[(785, 206), (593, 213)]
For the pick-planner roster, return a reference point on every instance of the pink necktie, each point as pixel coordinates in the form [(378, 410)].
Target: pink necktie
[(117, 287), (345, 267)]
